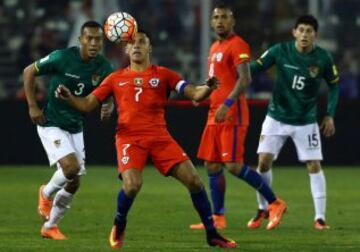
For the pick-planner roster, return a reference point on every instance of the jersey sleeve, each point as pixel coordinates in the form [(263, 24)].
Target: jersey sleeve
[(240, 53), (266, 60), (331, 74), (105, 89), (174, 80), (49, 64), (331, 77)]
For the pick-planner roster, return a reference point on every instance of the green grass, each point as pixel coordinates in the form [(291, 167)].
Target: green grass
[(162, 212)]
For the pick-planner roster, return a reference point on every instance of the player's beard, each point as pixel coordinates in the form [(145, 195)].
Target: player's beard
[(92, 53), (224, 34)]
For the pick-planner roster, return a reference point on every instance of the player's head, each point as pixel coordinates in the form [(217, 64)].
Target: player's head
[(91, 39), (222, 20), (307, 20), (140, 48), (305, 30)]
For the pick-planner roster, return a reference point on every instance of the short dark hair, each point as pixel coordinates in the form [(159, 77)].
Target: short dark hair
[(222, 5), (147, 34), (91, 24), (308, 20)]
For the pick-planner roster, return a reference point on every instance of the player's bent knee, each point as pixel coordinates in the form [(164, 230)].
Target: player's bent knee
[(265, 163), (263, 167), (313, 166), (213, 167), (71, 171), (73, 185), (234, 168), (132, 188), (70, 166), (194, 184)]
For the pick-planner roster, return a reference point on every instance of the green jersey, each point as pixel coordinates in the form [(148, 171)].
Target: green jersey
[(81, 77), (297, 84)]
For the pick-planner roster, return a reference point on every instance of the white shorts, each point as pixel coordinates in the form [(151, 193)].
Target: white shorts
[(305, 137), (59, 143)]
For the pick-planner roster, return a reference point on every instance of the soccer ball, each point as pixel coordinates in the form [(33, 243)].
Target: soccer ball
[(120, 27)]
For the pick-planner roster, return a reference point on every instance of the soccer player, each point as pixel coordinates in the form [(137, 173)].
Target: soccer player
[(222, 142), (59, 126), (141, 92), (301, 65)]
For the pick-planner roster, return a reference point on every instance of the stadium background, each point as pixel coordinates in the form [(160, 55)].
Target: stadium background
[(181, 37)]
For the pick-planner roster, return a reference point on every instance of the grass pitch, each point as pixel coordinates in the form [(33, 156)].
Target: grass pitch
[(159, 218)]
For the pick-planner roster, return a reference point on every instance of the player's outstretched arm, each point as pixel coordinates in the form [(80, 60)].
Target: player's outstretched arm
[(35, 113), (83, 104), (199, 93)]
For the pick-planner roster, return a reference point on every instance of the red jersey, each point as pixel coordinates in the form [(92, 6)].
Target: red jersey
[(140, 98), (223, 59)]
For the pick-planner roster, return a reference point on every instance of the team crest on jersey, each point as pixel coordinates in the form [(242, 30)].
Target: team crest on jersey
[(219, 56), (138, 81), (335, 71), (154, 82), (57, 143), (125, 159), (314, 71), (95, 79)]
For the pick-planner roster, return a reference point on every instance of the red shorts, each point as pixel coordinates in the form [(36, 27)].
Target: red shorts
[(222, 143), (163, 150)]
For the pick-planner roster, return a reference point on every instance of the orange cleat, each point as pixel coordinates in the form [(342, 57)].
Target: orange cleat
[(321, 225), (52, 233), (116, 240), (258, 219), (276, 211), (44, 205), (219, 223), (214, 239)]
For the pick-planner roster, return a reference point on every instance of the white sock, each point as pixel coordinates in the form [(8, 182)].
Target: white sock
[(267, 177), (61, 204), (57, 182), (318, 191)]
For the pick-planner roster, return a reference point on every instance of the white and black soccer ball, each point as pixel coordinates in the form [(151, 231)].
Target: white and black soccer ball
[(120, 27)]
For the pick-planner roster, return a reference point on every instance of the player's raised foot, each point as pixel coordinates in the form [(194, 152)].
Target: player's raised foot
[(219, 223), (117, 234), (214, 239), (321, 225), (44, 205), (276, 211), (52, 233), (260, 216)]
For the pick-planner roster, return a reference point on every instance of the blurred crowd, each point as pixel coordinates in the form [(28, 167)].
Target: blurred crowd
[(31, 29)]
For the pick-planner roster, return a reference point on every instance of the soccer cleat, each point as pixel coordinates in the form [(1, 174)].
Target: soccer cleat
[(219, 223), (44, 205), (321, 225), (276, 211), (258, 219), (116, 238), (52, 233), (214, 239)]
